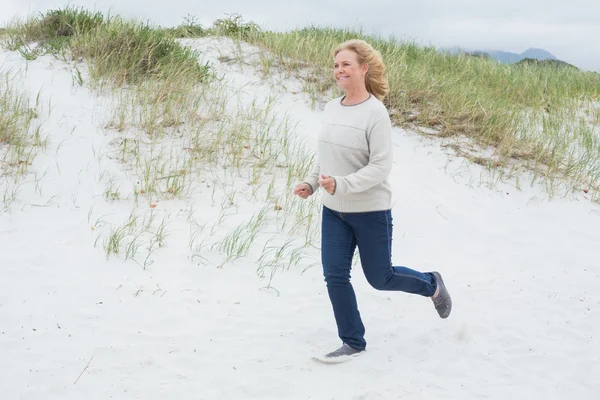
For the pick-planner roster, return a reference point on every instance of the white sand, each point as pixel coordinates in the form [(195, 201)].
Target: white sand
[(523, 271)]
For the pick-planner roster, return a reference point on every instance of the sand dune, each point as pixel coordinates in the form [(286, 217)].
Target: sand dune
[(523, 272)]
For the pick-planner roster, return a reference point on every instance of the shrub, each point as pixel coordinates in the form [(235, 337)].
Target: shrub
[(235, 26)]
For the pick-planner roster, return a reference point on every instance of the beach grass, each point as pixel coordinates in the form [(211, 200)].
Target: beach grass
[(544, 118), (180, 130), (20, 128)]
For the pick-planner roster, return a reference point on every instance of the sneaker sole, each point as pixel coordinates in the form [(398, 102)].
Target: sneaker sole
[(439, 276), (336, 360)]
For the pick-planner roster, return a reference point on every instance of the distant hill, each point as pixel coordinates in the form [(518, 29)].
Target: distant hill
[(546, 63), (506, 57)]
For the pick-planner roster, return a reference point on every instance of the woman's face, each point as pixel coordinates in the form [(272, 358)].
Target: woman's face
[(348, 73)]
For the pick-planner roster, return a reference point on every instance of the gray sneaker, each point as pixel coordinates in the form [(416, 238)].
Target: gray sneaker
[(442, 302), (340, 355)]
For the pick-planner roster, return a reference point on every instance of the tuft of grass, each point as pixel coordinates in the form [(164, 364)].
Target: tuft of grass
[(124, 52), (16, 114), (129, 237), (128, 53), (238, 242), (191, 28), (20, 135), (233, 25), (52, 30)]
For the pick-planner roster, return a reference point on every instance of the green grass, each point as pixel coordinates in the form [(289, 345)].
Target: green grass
[(189, 29), (52, 30), (20, 138), (529, 113), (233, 25), (20, 135), (128, 52), (16, 114), (124, 52)]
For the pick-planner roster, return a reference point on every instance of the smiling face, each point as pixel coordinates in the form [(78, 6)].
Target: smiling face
[(348, 73)]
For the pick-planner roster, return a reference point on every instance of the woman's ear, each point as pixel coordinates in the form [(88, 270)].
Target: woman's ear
[(365, 68)]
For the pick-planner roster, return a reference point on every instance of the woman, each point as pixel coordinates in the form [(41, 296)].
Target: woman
[(353, 163)]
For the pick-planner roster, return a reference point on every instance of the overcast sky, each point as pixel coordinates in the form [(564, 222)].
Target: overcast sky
[(565, 28)]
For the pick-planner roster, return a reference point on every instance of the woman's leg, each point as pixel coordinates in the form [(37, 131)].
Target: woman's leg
[(373, 231), (338, 244)]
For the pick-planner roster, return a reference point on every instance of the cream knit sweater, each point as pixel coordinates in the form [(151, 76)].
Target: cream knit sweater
[(355, 147)]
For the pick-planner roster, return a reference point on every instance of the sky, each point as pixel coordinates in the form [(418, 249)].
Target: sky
[(564, 28)]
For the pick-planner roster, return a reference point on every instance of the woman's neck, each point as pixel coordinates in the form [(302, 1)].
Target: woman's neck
[(356, 96)]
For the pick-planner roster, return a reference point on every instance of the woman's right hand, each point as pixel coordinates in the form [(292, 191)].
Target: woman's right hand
[(303, 190)]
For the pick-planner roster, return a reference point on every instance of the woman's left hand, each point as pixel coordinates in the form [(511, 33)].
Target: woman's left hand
[(327, 183)]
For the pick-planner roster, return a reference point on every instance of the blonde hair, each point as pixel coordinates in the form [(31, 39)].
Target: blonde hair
[(375, 80)]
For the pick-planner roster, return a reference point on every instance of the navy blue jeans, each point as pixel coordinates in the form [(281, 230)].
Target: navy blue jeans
[(372, 233)]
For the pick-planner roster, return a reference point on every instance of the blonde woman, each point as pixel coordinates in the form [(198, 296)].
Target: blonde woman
[(353, 163)]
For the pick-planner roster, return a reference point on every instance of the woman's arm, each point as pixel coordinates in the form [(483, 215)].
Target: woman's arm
[(313, 178)]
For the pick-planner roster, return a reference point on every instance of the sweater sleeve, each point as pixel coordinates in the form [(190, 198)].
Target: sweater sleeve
[(380, 161), (313, 178)]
